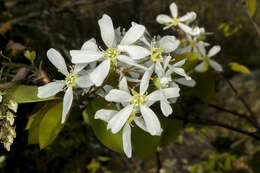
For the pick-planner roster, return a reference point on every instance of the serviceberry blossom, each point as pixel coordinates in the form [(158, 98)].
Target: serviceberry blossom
[(207, 61), (112, 54), (73, 79), (181, 22), (149, 64), (193, 44)]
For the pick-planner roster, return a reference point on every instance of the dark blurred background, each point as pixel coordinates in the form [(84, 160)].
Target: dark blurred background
[(66, 24)]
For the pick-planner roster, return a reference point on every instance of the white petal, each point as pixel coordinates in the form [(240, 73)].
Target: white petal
[(107, 30), (57, 60), (169, 43), (166, 108), (127, 140), (84, 81), (181, 72), (50, 89), (151, 121), (79, 67), (85, 56), (202, 48), (129, 61), (100, 73), (179, 63), (155, 96), (133, 34), (135, 52), (105, 114), (200, 67), (189, 83), (145, 80), (166, 62), (215, 65), (214, 50), (139, 121), (123, 85), (163, 19), (188, 29), (118, 121), (159, 70), (185, 28), (171, 92), (90, 45), (189, 17), (174, 10), (67, 102), (116, 95)]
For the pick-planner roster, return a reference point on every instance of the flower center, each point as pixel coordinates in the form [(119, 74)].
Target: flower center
[(156, 54), (71, 80), (175, 22), (112, 54), (138, 99), (161, 82)]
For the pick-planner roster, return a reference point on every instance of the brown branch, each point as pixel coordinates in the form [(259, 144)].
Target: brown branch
[(209, 122), (245, 116), (243, 101)]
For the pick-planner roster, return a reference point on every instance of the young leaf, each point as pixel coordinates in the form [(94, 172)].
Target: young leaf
[(239, 68), (50, 125), (252, 4), (24, 94), (110, 140), (34, 122), (30, 55)]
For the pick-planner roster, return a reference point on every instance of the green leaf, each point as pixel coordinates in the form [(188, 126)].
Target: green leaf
[(252, 7), (171, 127), (50, 125), (254, 163), (106, 137), (24, 94), (205, 87), (34, 122), (239, 68), (144, 144), (30, 55)]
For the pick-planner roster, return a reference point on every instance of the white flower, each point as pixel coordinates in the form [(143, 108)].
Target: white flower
[(135, 103), (155, 53), (193, 45), (112, 54), (156, 49), (206, 58), (178, 21), (107, 115), (72, 79), (138, 102)]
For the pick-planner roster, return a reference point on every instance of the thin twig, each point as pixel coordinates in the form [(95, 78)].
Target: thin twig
[(245, 116), (252, 20), (208, 122), (243, 101)]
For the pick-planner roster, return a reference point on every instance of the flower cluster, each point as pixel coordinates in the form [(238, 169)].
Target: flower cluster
[(147, 69)]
